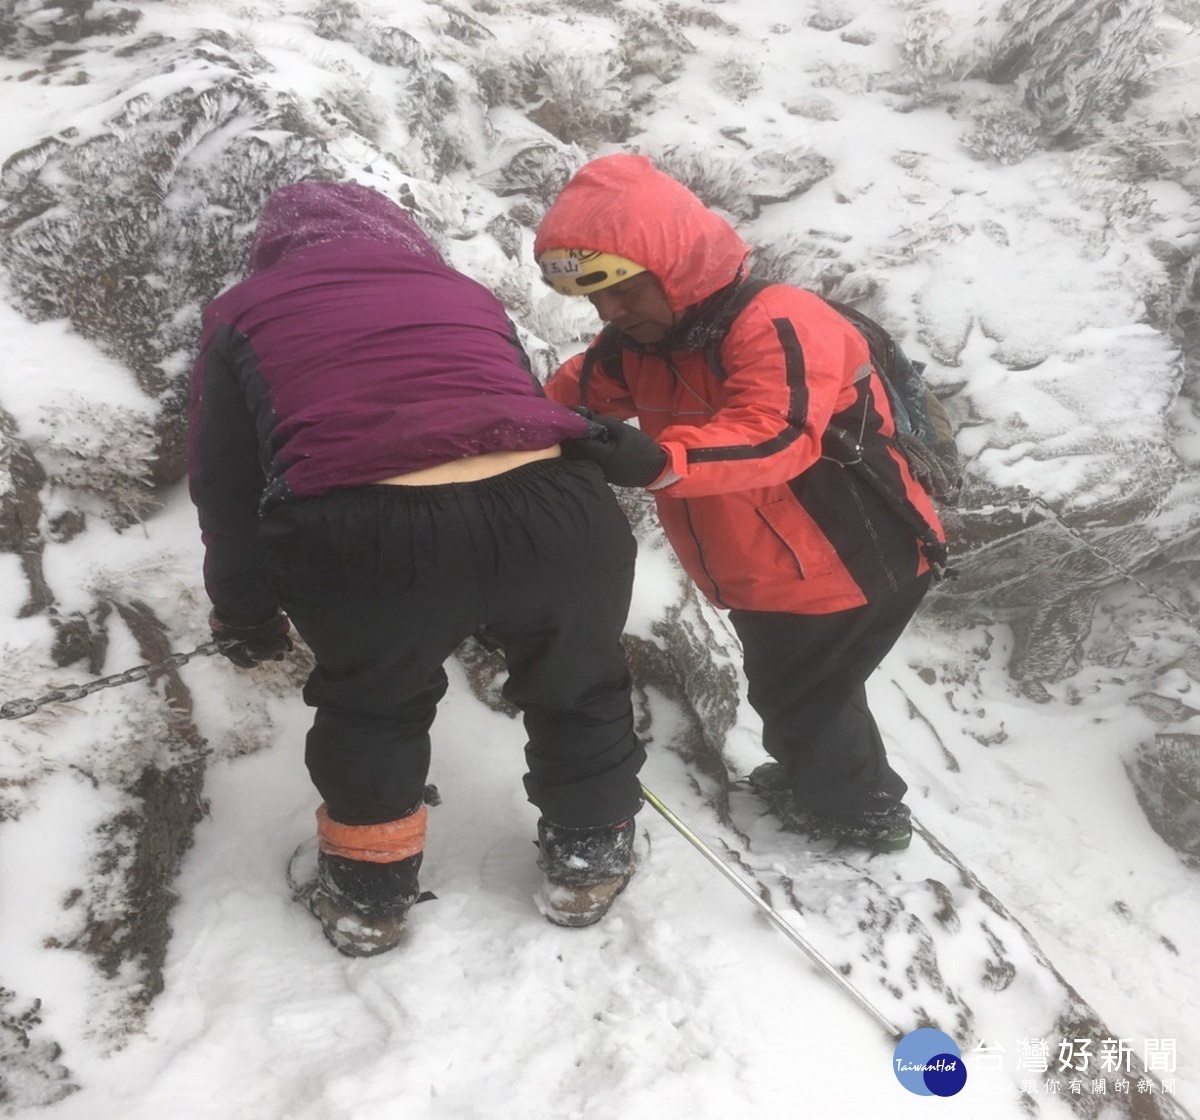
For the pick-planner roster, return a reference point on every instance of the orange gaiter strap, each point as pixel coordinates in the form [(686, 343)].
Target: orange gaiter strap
[(373, 843)]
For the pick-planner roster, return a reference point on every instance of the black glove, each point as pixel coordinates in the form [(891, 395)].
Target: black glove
[(626, 455), (265, 641)]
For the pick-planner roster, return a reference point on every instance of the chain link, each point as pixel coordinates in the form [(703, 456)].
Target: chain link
[(16, 709), (1124, 572), (1023, 507)]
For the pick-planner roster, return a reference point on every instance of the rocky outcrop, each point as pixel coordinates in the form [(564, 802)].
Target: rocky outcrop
[(1073, 424), (121, 916), (21, 479), (1166, 776), (31, 1073)]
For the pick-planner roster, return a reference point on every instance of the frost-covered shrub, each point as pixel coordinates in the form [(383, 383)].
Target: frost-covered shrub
[(103, 450), (128, 226), (1101, 176), (814, 264), (849, 79), (1004, 133), (34, 1075), (427, 98), (787, 171), (361, 107), (829, 17), (25, 27), (579, 98), (719, 179), (685, 15), (21, 478), (738, 76), (458, 25), (582, 98), (928, 47), (560, 320), (814, 108), (1159, 152), (741, 183), (1084, 62), (507, 234), (334, 19), (1073, 64), (654, 47), (1166, 777), (538, 169)]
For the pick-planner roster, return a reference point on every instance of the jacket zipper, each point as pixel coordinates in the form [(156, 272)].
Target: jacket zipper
[(884, 567), (720, 598)]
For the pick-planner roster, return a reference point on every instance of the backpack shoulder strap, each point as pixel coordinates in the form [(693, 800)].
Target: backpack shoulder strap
[(883, 354), (879, 342), (936, 551), (889, 361), (742, 295), (606, 350)]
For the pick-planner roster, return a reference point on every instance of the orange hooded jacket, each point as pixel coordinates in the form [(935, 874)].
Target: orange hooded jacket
[(759, 519)]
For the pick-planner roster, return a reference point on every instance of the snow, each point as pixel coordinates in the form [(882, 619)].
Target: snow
[(684, 1000)]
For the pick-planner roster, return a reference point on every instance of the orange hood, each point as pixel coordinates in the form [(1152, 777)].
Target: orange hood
[(623, 204)]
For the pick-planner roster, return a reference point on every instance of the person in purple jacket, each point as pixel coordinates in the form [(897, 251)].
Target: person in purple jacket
[(372, 459)]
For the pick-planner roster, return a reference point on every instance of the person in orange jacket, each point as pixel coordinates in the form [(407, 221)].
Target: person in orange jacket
[(819, 574)]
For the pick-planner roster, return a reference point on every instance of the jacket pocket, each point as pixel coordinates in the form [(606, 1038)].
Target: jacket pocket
[(808, 547)]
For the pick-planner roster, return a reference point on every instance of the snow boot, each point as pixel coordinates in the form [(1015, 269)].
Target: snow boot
[(888, 829), (586, 868), (364, 882), (363, 907)]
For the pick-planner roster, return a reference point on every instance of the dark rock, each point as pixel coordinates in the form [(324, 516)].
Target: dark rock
[(21, 481), (80, 637), (1166, 779), (124, 910)]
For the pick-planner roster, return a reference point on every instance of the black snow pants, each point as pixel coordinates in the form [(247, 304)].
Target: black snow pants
[(384, 582), (807, 675)]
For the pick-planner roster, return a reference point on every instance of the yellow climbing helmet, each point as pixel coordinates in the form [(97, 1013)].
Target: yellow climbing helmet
[(579, 272)]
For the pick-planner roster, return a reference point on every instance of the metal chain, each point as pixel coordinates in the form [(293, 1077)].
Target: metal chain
[(15, 709), (1172, 607), (1075, 534)]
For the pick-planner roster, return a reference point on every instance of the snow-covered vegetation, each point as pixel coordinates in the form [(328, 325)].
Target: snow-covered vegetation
[(1010, 185)]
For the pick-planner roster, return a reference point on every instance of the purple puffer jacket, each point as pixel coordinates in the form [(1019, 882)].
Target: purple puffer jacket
[(351, 353)]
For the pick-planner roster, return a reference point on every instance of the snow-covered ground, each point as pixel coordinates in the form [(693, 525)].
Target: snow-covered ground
[(1024, 283)]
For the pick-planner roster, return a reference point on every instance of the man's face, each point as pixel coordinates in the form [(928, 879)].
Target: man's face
[(636, 307)]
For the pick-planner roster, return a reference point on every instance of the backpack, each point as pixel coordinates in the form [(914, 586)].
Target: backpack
[(923, 435)]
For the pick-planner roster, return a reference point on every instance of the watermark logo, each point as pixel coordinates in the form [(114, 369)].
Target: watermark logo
[(927, 1062)]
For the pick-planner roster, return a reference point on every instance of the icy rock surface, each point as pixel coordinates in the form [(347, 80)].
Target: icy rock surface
[(1166, 775), (1071, 373)]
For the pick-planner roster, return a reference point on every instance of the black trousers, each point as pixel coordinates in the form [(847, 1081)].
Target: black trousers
[(807, 676), (384, 582)]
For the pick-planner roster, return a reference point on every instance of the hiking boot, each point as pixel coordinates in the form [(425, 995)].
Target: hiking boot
[(586, 868), (360, 881), (362, 907), (888, 829)]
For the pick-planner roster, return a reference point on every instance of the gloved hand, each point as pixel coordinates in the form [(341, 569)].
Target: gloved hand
[(264, 641), (626, 455)]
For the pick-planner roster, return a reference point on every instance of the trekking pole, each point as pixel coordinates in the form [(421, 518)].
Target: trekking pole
[(776, 919)]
